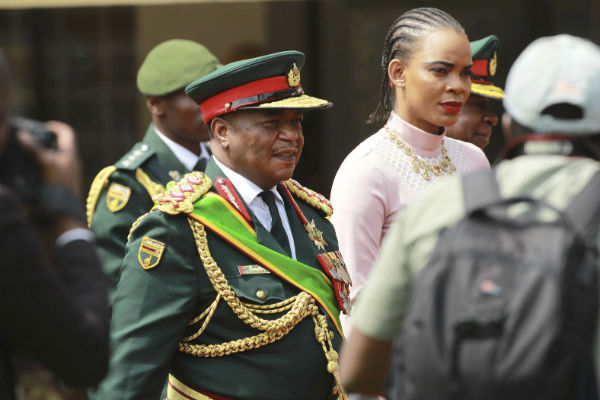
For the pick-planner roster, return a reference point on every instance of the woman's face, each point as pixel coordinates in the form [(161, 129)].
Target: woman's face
[(436, 80)]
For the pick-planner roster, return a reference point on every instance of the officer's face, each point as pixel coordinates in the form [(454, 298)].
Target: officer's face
[(437, 80), (264, 146), (182, 121), (475, 122)]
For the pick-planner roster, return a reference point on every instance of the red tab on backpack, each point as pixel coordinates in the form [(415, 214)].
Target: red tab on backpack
[(334, 265)]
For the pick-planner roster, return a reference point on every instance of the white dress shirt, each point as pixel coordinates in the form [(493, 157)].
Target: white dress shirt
[(250, 194), (188, 158)]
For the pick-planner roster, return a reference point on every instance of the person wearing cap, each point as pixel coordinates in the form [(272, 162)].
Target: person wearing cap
[(552, 124), (173, 145), (233, 285), (476, 119)]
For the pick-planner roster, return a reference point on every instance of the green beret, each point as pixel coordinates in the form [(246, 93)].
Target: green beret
[(172, 65), (271, 81), (485, 61)]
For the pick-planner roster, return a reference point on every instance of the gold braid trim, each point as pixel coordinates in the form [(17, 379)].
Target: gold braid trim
[(297, 307), (136, 223), (181, 196), (99, 183), (151, 187), (311, 197)]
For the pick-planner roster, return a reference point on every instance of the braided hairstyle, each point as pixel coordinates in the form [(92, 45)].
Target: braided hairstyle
[(402, 38)]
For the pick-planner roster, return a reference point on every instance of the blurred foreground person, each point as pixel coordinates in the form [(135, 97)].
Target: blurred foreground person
[(233, 285), (553, 130), (175, 143), (476, 119), (53, 298)]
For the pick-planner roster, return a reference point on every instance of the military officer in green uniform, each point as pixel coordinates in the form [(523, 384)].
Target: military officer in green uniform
[(231, 288), (173, 145), (476, 119)]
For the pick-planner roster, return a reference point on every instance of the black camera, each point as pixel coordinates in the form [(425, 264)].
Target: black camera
[(18, 169)]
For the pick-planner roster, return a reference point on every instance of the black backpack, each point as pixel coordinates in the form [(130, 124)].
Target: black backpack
[(506, 307)]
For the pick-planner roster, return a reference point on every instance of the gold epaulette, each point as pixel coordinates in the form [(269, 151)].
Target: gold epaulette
[(311, 197), (180, 196), (99, 183), (151, 187)]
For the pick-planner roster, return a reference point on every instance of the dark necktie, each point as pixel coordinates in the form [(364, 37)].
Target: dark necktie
[(201, 164), (277, 228)]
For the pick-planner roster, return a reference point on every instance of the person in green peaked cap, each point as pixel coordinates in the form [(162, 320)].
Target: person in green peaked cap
[(476, 118), (173, 145), (231, 288)]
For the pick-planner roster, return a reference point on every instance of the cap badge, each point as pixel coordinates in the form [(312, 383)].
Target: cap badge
[(293, 77), (493, 64)]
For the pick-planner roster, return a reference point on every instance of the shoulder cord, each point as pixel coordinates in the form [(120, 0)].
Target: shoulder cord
[(151, 187), (309, 196), (297, 307), (99, 183)]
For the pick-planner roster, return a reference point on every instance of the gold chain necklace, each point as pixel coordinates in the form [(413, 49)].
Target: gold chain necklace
[(444, 167)]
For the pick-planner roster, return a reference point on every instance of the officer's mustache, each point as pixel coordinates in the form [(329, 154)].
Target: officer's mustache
[(284, 149)]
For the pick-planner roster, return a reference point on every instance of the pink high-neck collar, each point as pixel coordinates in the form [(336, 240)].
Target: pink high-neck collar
[(423, 143)]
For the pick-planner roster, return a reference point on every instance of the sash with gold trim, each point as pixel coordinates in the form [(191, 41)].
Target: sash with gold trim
[(218, 215)]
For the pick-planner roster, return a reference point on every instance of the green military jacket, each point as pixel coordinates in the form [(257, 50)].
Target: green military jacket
[(122, 192), (216, 317)]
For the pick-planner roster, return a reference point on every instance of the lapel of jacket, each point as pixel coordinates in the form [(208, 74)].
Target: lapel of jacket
[(263, 236)]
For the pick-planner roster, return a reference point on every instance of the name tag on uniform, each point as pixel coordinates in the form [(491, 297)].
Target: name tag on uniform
[(252, 269)]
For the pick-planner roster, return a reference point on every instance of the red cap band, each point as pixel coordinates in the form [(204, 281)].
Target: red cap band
[(221, 103), (480, 70)]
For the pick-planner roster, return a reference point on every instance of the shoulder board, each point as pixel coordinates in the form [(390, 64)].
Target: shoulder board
[(180, 196), (138, 154), (311, 197), (99, 183)]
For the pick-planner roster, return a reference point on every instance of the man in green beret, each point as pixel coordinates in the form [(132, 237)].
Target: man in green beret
[(173, 145), (231, 288), (476, 118)]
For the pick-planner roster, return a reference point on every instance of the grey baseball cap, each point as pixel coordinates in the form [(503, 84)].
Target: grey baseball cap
[(552, 71)]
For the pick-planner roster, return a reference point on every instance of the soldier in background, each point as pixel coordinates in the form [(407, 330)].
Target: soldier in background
[(173, 145), (476, 118)]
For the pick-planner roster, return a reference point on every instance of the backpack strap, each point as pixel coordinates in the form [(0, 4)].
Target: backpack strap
[(584, 209), (480, 188)]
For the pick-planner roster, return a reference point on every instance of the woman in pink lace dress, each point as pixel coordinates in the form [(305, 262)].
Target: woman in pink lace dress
[(426, 79)]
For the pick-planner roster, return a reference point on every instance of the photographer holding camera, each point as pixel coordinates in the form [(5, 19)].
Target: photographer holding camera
[(53, 298)]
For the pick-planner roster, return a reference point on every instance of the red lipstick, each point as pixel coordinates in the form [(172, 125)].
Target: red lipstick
[(453, 107)]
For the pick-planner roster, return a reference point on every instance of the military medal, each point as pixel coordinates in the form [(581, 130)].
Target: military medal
[(315, 235), (333, 264)]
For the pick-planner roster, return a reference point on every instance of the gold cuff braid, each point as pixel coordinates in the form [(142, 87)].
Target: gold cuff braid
[(296, 309)]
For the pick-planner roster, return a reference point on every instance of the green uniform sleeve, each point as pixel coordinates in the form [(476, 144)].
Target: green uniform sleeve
[(111, 228), (151, 309)]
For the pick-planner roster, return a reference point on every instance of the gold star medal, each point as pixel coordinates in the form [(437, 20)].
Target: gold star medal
[(315, 235)]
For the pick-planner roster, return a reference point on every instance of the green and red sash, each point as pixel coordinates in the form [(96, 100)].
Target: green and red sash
[(218, 215)]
